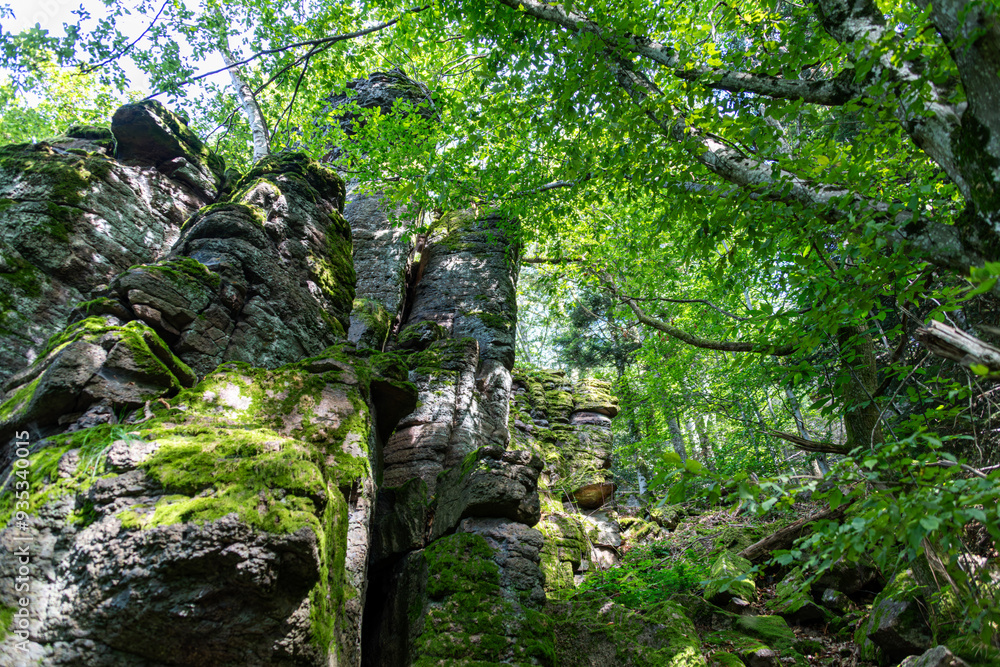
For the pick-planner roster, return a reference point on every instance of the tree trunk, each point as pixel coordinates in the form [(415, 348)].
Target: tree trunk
[(861, 414), (701, 428), (676, 437), (245, 95), (818, 464)]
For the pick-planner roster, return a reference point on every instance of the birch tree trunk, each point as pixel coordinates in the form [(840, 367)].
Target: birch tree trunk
[(701, 428), (244, 93)]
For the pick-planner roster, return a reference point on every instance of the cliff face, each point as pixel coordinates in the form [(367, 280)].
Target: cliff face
[(223, 447)]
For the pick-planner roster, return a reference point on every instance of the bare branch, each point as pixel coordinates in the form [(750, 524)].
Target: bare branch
[(324, 41), (811, 445), (951, 343), (691, 339), (90, 68)]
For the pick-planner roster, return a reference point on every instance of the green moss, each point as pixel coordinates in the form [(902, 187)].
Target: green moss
[(247, 211), (461, 624), (730, 577), (151, 355), (67, 176), (724, 659), (420, 335), (591, 625), (19, 401), (41, 473), (6, 619), (325, 182), (375, 317), (491, 320)]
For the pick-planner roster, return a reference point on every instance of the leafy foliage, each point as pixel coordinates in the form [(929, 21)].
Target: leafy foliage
[(645, 577)]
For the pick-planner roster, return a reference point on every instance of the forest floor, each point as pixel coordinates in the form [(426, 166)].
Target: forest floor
[(677, 563)]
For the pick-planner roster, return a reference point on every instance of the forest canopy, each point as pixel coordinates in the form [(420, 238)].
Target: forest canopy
[(774, 225)]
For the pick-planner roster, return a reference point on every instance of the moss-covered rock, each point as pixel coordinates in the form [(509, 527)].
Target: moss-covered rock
[(271, 461), (896, 626), (94, 360), (71, 217), (730, 577), (590, 629), (465, 600)]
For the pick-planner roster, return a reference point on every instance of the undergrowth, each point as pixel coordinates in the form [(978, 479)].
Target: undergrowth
[(648, 575)]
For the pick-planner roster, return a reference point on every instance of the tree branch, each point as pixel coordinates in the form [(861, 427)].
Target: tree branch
[(324, 41), (951, 343), (811, 445), (577, 22), (691, 339), (941, 244), (828, 92), (91, 68)]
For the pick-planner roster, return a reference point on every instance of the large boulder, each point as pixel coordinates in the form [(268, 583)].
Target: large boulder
[(230, 528), (939, 656), (730, 578), (897, 625)]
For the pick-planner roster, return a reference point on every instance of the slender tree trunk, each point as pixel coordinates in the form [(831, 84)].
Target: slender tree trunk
[(676, 436), (701, 427), (244, 93), (819, 464), (643, 485)]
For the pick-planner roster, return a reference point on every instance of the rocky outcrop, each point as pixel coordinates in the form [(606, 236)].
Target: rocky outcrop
[(382, 255), (242, 452), (897, 626), (78, 209), (264, 278), (568, 425), (227, 522), (391, 92), (230, 528)]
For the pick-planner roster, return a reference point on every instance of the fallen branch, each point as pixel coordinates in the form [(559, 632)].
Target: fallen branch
[(952, 343), (784, 538)]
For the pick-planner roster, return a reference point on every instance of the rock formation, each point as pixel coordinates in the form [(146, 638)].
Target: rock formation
[(213, 473), (72, 216), (244, 422)]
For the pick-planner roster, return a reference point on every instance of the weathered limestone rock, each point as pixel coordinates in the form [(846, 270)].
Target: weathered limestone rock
[(382, 250), (279, 284), (592, 496), (231, 528), (96, 360), (567, 425), (72, 216), (264, 278), (466, 291), (381, 258), (490, 483)]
